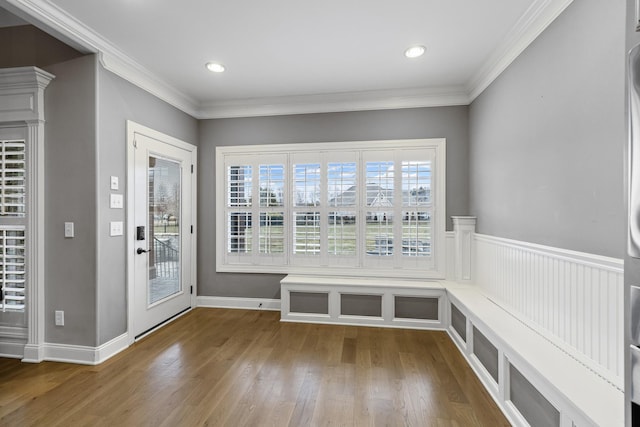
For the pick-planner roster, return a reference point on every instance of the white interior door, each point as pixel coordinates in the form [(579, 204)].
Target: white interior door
[(162, 234)]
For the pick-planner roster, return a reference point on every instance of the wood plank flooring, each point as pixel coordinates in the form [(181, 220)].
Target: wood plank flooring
[(218, 367)]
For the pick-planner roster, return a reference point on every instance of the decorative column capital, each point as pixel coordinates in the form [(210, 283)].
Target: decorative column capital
[(464, 221)]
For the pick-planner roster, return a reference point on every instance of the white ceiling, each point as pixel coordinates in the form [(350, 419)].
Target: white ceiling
[(285, 56)]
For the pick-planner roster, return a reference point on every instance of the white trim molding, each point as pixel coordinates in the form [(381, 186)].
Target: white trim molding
[(336, 102), (534, 21), (85, 355), (464, 228), (12, 341), (80, 354), (69, 29), (239, 303), (386, 290), (22, 101)]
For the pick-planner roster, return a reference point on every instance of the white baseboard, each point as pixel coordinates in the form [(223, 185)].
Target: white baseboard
[(418, 325), (242, 303), (85, 355), (12, 350), (33, 353), (112, 347)]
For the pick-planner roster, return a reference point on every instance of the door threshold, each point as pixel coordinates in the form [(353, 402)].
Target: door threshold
[(161, 324)]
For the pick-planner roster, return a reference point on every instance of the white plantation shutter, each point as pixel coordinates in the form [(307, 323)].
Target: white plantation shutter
[(12, 224), (239, 231), (372, 208), (254, 209), (306, 205), (271, 183), (12, 181), (12, 249), (417, 207), (340, 218)]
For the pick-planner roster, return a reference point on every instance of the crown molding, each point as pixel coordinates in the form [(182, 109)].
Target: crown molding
[(336, 102), (146, 80), (534, 21), (111, 58)]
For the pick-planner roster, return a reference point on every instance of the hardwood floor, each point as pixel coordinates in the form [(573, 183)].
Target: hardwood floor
[(221, 367)]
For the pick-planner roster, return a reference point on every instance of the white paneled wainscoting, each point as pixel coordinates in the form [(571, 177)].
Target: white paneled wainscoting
[(574, 299)]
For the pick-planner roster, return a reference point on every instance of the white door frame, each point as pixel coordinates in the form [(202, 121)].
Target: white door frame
[(133, 129)]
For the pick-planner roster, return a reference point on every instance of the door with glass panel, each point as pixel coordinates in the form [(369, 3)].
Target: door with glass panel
[(162, 232)]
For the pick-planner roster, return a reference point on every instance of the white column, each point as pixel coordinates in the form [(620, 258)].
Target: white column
[(22, 99), (463, 228), (34, 350)]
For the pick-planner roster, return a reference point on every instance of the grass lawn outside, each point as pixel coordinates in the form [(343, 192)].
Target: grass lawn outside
[(416, 236)]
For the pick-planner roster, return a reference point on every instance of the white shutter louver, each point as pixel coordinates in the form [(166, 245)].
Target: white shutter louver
[(12, 265), (12, 237), (306, 207), (12, 182)]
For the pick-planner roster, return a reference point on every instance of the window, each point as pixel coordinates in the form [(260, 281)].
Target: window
[(12, 220), (357, 208)]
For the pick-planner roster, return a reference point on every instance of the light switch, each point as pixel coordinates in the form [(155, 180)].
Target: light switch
[(116, 228), (116, 201), (115, 183), (68, 229)]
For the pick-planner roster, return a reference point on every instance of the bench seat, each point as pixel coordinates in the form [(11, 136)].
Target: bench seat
[(581, 396)]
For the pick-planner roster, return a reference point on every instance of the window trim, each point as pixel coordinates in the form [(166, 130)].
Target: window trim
[(437, 271), (22, 90)]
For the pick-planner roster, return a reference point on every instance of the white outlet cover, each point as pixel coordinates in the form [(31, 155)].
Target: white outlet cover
[(116, 201), (116, 228)]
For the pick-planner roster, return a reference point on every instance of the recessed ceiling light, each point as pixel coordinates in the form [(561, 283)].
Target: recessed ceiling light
[(215, 67), (414, 51)]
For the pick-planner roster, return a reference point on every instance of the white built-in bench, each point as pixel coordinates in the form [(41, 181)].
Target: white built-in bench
[(529, 376), (534, 381), (367, 302)]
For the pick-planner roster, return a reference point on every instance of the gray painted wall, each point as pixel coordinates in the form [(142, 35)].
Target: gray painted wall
[(86, 110), (547, 137), (70, 264), (447, 122), (120, 101)]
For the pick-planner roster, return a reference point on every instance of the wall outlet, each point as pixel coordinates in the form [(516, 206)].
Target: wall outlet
[(59, 318), (115, 228), (116, 201)]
